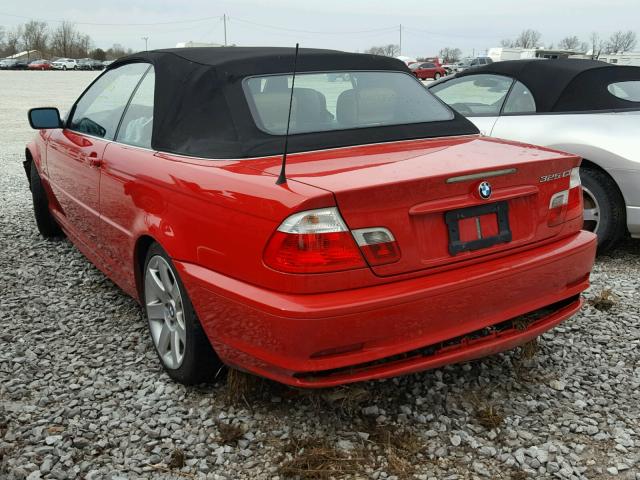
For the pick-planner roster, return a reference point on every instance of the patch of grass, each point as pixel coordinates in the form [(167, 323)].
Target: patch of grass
[(55, 429), (400, 440), (485, 411), (399, 466), (399, 445), (518, 475), (229, 433), (177, 459), (604, 301), (316, 458), (346, 400), (529, 349), (242, 385), (489, 416)]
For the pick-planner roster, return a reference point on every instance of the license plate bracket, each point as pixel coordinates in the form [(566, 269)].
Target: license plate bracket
[(452, 218)]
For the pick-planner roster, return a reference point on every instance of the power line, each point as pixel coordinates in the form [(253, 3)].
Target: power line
[(315, 32), (416, 31), (194, 20)]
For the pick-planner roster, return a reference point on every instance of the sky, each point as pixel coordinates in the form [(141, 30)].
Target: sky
[(352, 25)]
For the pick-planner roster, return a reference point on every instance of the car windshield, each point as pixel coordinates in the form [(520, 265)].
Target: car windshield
[(414, 66), (340, 101)]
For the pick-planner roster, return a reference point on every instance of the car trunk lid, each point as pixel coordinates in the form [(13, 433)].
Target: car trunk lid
[(428, 193)]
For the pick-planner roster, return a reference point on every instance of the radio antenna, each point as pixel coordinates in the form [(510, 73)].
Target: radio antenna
[(282, 177)]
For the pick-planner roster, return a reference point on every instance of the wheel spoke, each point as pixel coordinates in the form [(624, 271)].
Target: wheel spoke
[(166, 278), (155, 283), (175, 347), (591, 215), (164, 340), (155, 310), (182, 334)]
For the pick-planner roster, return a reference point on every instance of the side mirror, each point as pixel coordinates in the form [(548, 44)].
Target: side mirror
[(46, 117)]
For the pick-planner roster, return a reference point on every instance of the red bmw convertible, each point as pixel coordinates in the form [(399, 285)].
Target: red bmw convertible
[(396, 238)]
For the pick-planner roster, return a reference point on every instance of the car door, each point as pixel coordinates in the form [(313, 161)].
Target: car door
[(127, 200), (519, 121), (428, 70), (480, 97), (75, 153)]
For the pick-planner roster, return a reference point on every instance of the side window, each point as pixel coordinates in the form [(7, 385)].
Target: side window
[(99, 110), (475, 95), (137, 123), (629, 90), (520, 100)]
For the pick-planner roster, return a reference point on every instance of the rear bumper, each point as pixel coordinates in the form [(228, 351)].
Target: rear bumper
[(295, 339), (633, 221)]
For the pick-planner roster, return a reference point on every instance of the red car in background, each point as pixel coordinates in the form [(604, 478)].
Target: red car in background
[(40, 65), (394, 239), (427, 70)]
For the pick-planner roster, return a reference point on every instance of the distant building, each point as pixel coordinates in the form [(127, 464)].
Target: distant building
[(28, 55), (626, 58), (499, 54), (407, 60), (197, 44)]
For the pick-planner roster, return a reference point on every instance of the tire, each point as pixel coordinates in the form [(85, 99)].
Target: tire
[(176, 333), (47, 225), (64, 67), (604, 208), (437, 76)]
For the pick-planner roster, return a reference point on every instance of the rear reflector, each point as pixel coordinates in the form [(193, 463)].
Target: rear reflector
[(315, 241)]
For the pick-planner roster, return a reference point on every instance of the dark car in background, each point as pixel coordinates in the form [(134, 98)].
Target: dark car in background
[(89, 64), (473, 62), (12, 64)]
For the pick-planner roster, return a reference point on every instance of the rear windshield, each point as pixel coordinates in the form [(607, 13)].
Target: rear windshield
[(340, 101), (629, 91)]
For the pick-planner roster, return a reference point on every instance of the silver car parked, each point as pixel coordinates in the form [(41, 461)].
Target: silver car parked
[(585, 107)]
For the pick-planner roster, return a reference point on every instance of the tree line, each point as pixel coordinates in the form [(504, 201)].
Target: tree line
[(618, 42), (63, 41)]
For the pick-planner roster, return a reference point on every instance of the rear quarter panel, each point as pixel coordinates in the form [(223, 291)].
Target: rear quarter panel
[(215, 214)]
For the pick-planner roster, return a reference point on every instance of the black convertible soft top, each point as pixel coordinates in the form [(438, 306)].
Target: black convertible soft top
[(201, 109), (566, 85)]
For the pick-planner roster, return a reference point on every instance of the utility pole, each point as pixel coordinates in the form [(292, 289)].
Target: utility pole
[(224, 20), (146, 43), (400, 31)]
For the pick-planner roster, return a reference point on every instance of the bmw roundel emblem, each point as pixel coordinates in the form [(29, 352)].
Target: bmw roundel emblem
[(484, 190)]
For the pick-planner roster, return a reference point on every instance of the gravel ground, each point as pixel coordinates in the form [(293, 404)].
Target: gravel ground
[(82, 394)]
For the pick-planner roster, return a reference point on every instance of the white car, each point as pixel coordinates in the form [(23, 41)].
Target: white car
[(65, 64), (585, 107)]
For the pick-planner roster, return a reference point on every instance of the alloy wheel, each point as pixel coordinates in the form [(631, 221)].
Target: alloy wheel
[(591, 213), (165, 312)]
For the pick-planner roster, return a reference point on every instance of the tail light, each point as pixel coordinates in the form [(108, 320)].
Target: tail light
[(567, 204), (378, 245), (318, 241), (314, 241)]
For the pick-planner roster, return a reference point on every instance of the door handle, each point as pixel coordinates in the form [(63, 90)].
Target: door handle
[(92, 159)]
